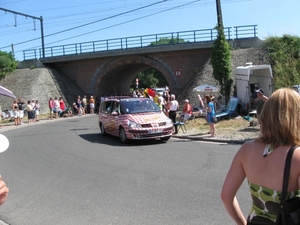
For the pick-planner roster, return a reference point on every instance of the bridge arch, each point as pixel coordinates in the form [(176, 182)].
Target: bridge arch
[(115, 77)]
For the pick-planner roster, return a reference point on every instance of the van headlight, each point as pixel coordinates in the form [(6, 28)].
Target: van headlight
[(169, 122), (132, 124)]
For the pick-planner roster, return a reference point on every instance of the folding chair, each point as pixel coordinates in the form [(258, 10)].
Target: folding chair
[(181, 125), (231, 109)]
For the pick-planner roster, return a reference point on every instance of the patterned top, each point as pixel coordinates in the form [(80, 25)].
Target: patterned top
[(265, 205)]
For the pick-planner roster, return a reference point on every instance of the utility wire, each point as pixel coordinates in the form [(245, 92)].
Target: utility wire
[(178, 6), (128, 21), (73, 28)]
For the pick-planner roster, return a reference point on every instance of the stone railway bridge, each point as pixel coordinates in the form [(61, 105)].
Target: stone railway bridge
[(112, 72)]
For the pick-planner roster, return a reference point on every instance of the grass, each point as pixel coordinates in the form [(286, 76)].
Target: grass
[(200, 125)]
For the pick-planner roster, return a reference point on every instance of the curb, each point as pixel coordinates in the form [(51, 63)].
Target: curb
[(213, 139)]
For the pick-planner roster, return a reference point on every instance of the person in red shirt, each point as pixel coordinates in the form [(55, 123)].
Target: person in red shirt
[(187, 111), (62, 106)]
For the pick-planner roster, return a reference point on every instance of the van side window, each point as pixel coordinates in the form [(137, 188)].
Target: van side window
[(107, 107), (116, 108)]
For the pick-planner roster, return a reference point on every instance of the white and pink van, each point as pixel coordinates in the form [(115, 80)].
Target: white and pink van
[(133, 119)]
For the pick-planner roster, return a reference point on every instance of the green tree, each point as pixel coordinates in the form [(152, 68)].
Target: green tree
[(221, 62), (150, 78), (284, 56), (168, 41), (7, 64)]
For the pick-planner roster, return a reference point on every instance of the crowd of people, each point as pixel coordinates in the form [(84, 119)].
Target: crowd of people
[(19, 107), (81, 106)]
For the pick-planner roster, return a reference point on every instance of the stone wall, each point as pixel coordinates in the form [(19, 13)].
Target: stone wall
[(39, 84)]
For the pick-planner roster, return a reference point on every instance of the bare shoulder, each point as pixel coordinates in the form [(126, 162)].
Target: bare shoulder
[(296, 154), (250, 148)]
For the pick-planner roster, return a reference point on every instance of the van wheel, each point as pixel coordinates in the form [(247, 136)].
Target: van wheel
[(102, 130), (122, 135)]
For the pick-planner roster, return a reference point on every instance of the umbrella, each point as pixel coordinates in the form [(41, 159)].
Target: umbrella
[(206, 88), (6, 92)]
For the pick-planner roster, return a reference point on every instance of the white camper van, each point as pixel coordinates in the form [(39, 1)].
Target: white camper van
[(249, 78)]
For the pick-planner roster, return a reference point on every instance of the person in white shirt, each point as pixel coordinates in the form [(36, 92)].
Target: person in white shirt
[(56, 107), (173, 107)]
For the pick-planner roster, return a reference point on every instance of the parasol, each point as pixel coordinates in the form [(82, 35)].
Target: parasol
[(6, 92), (206, 88)]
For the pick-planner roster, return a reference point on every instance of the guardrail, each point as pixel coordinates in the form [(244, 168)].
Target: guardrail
[(145, 41)]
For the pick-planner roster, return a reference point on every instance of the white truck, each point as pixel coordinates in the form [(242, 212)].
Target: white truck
[(249, 78), (296, 88)]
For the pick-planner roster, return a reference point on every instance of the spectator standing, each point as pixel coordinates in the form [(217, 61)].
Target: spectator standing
[(30, 110), (79, 105), (37, 110), (210, 113), (33, 106), (262, 161), (84, 104), (21, 110), (62, 106), (56, 108), (15, 109), (51, 106), (260, 101), (92, 105), (172, 111)]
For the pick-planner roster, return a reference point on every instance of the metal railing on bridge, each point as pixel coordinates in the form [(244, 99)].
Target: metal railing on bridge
[(145, 41)]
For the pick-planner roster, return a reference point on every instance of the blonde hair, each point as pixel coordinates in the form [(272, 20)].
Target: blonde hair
[(279, 118)]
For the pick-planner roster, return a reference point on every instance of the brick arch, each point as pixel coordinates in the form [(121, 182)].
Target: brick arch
[(116, 76)]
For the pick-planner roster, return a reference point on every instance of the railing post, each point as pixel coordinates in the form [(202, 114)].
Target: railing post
[(194, 36), (51, 51), (255, 31), (141, 40), (211, 34), (63, 50), (236, 33), (93, 46), (106, 45), (121, 43)]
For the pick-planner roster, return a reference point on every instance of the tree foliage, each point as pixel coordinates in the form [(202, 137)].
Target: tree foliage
[(168, 41), (150, 78), (284, 56), (7, 64), (221, 62)]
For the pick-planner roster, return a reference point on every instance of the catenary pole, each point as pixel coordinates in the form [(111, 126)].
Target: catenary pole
[(33, 17), (219, 13)]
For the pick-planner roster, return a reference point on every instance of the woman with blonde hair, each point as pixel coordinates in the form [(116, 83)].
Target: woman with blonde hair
[(262, 161)]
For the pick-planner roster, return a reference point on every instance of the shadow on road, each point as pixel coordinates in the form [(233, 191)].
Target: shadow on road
[(115, 141)]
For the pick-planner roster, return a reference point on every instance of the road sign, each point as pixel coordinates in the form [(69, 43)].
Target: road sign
[(178, 73)]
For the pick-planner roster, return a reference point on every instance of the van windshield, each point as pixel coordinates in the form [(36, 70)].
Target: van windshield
[(138, 105)]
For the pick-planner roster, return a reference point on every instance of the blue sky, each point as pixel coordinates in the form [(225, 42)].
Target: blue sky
[(126, 18)]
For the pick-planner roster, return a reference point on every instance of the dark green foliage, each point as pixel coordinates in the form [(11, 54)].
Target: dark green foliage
[(150, 78), (7, 64), (284, 56), (221, 62), (167, 41)]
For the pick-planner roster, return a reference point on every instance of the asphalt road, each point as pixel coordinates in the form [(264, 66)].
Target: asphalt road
[(64, 173)]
